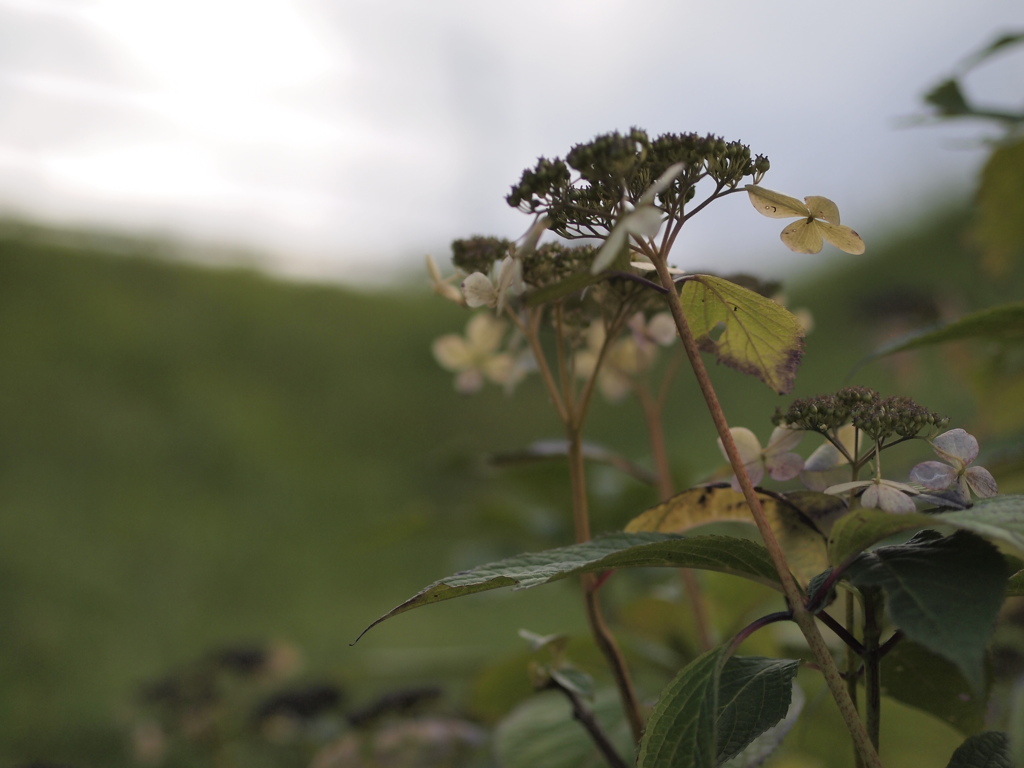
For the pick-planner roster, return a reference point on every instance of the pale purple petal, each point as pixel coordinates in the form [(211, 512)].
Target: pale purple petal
[(980, 481), (933, 475), (887, 498), (783, 439), (955, 445), (784, 467), (755, 471)]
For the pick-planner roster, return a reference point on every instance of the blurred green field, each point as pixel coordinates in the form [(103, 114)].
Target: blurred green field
[(192, 458)]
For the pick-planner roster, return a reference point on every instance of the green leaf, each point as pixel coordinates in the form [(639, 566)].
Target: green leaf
[(914, 675), (1003, 323), (541, 733), (714, 708), (753, 695), (985, 750), (726, 554), (758, 336), (1000, 518), (948, 99), (943, 592), (793, 517), (998, 226)]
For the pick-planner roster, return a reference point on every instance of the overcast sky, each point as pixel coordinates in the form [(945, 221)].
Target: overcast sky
[(347, 138)]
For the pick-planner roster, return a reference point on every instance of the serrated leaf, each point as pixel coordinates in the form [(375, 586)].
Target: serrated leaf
[(1003, 323), (726, 554), (1000, 518), (758, 336), (925, 680), (943, 592), (714, 708), (793, 518), (985, 750)]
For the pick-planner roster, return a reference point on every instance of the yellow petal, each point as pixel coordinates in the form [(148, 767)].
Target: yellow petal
[(774, 204), (843, 238), (823, 208), (451, 352), (803, 236)]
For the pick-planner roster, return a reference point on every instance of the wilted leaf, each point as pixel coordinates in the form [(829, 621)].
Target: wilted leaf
[(793, 518), (916, 676), (985, 750), (621, 550), (744, 330), (943, 592), (714, 708)]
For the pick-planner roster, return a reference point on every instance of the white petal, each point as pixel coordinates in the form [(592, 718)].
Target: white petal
[(783, 439), (611, 248), (484, 333), (451, 352), (774, 204), (838, 490), (933, 475), (886, 497), (645, 220), (479, 291), (662, 329), (747, 444), (662, 183)]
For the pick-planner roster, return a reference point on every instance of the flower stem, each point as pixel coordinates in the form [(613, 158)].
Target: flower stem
[(794, 596)]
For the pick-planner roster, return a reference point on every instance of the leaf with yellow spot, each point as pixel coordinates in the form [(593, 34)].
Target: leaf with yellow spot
[(800, 521), (743, 329)]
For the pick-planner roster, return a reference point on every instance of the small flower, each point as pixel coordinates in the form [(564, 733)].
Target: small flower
[(443, 286), (819, 220), (476, 357), (628, 356), (887, 495), (643, 220), (775, 457), (480, 290), (958, 449)]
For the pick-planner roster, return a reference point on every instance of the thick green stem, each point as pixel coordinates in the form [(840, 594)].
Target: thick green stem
[(794, 596)]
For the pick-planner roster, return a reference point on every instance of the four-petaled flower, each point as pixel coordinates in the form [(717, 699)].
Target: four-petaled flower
[(475, 357), (626, 357), (480, 290), (887, 495), (819, 220), (775, 458), (958, 449)]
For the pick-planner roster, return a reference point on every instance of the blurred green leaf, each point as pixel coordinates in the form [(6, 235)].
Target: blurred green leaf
[(1015, 586), (714, 708), (541, 733), (567, 287), (1005, 323), (999, 226), (727, 554), (948, 99), (944, 592), (916, 676), (985, 750), (758, 336)]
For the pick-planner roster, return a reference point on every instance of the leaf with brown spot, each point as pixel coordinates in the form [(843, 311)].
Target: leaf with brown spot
[(758, 336), (800, 521)]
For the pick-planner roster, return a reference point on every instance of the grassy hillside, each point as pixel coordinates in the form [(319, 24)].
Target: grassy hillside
[(191, 458)]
